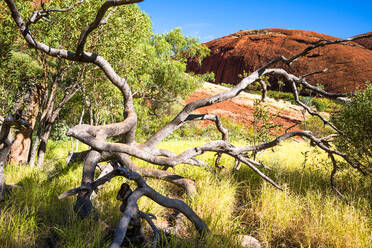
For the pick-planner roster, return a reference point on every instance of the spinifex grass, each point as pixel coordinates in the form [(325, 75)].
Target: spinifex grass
[(306, 214)]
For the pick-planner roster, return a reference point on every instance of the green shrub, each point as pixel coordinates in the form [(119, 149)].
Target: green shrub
[(355, 122), (308, 100), (279, 95), (319, 105), (59, 131), (330, 105)]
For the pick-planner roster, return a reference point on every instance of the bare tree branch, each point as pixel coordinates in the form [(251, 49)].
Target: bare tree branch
[(44, 13), (149, 219), (105, 20), (293, 80), (263, 89), (214, 118), (314, 73), (143, 189), (187, 184), (98, 21)]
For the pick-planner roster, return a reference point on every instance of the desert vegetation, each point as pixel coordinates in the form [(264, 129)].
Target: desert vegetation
[(110, 83)]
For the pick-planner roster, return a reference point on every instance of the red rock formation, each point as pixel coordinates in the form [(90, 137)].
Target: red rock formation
[(348, 67), (366, 42)]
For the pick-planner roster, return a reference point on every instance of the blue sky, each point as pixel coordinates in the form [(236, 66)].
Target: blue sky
[(208, 19)]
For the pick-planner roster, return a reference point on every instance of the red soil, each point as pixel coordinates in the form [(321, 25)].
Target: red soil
[(349, 67), (240, 109)]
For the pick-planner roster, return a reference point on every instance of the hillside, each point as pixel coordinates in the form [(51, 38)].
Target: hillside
[(349, 67), (366, 42)]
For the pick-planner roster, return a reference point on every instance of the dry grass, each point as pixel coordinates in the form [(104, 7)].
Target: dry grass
[(306, 214)]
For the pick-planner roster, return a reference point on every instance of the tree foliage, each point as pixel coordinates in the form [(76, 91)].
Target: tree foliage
[(19, 72)]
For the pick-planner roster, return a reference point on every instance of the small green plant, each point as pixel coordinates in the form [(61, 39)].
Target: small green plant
[(262, 124), (306, 100), (331, 105), (278, 95), (319, 105), (244, 74), (59, 131)]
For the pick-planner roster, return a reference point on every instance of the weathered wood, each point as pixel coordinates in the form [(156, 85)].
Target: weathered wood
[(134, 235), (6, 141), (21, 146)]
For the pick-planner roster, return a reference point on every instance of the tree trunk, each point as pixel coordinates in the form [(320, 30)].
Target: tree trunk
[(21, 146), (91, 120), (80, 122), (35, 145), (48, 119), (4, 151), (43, 143), (6, 141), (49, 104), (3, 158), (83, 205)]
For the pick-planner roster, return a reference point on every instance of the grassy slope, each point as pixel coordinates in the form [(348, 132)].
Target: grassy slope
[(306, 214)]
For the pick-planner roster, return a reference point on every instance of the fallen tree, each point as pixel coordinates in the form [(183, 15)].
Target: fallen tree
[(120, 153)]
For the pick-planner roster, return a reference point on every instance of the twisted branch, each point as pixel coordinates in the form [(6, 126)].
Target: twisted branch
[(44, 13), (142, 189)]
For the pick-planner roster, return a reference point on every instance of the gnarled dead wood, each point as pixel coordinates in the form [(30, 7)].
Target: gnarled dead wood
[(187, 184), (143, 189)]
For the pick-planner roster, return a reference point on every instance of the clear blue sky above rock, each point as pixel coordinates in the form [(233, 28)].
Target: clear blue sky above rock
[(208, 19)]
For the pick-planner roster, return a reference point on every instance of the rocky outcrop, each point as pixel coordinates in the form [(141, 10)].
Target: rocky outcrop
[(366, 42), (349, 67)]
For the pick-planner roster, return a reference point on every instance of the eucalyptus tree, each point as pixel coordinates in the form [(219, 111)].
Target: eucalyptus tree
[(22, 86), (70, 78), (55, 87), (120, 153)]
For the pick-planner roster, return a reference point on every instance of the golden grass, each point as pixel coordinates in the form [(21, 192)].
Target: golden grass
[(306, 214)]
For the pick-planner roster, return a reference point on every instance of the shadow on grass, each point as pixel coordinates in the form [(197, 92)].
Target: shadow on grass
[(302, 180), (308, 212), (34, 216)]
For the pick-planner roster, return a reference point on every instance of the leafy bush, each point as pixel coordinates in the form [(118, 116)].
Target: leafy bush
[(59, 131), (278, 95), (307, 100), (330, 105), (319, 105), (355, 122)]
